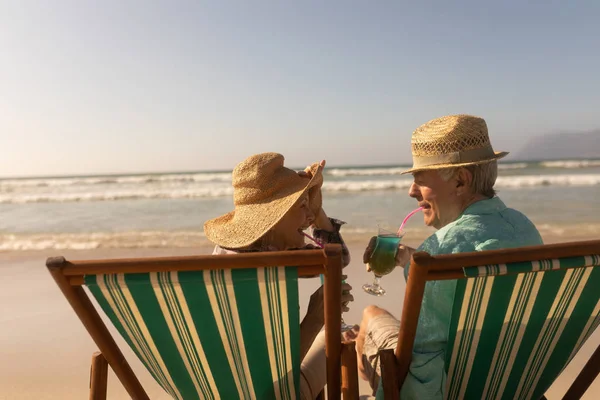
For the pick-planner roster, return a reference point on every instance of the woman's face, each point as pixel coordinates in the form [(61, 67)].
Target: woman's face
[(440, 199), (287, 234)]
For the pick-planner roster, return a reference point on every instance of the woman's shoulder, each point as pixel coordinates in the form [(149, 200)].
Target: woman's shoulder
[(218, 250)]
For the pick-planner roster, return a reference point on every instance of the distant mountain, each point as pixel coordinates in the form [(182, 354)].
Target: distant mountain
[(561, 146)]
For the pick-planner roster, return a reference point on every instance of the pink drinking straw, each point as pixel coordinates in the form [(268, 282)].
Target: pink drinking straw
[(410, 214), (313, 239)]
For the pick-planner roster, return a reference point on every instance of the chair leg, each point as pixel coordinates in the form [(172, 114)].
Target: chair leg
[(389, 374), (349, 371), (585, 378), (98, 377)]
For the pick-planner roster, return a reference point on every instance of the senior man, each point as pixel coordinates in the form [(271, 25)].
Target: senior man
[(454, 170)]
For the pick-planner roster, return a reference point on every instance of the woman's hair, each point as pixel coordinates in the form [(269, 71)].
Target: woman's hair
[(484, 177), (263, 243)]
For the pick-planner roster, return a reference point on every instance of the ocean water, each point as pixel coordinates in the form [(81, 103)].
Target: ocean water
[(168, 210)]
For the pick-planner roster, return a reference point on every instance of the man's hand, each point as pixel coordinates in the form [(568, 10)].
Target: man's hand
[(402, 256), (368, 252)]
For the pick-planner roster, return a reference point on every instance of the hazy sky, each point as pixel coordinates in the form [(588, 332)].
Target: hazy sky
[(122, 86)]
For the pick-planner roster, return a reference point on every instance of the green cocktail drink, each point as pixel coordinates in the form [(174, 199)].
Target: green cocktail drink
[(383, 260)]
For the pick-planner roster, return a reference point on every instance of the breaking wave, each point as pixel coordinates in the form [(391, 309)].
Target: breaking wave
[(365, 171), (101, 240), (116, 180), (570, 164), (15, 185), (513, 166), (134, 194), (187, 239), (398, 170), (222, 190), (527, 181)]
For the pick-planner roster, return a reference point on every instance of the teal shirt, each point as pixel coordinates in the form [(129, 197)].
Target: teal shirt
[(484, 225)]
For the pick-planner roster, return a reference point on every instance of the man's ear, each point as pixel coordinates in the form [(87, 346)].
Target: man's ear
[(464, 179)]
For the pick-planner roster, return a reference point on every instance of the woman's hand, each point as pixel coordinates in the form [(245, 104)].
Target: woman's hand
[(346, 294), (316, 305), (321, 219), (315, 312), (351, 334), (315, 316), (307, 173), (402, 256)]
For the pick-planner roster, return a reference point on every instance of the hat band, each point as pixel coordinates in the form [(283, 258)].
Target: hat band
[(458, 157)]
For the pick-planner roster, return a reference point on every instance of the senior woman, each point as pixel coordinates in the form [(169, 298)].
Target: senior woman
[(273, 206), (454, 170)]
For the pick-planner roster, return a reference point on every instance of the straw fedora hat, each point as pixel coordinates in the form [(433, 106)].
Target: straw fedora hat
[(452, 141), (264, 191)]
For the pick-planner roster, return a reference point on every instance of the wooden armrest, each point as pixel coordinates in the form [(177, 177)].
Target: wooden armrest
[(349, 371), (389, 374)]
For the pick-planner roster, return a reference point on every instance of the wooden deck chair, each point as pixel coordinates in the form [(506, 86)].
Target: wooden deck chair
[(205, 327), (519, 317)]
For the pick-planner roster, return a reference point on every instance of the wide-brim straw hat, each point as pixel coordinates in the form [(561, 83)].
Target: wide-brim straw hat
[(264, 191), (452, 141)]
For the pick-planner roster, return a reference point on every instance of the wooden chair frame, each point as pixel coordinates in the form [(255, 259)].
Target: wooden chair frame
[(69, 276), (424, 268)]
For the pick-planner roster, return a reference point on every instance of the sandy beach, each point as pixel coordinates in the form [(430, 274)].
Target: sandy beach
[(46, 351)]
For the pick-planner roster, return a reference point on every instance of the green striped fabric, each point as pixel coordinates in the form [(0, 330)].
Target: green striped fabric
[(510, 336), (533, 266), (219, 334)]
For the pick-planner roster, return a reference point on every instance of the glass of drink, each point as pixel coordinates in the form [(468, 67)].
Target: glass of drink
[(383, 259)]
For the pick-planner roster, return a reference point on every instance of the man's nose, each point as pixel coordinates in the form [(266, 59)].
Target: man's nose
[(413, 191)]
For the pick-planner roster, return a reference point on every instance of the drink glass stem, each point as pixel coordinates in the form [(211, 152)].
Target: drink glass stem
[(376, 281)]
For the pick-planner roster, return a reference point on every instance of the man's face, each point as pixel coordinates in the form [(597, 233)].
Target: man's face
[(437, 197)]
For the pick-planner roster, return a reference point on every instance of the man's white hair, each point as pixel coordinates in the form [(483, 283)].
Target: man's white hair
[(484, 177)]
